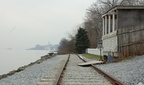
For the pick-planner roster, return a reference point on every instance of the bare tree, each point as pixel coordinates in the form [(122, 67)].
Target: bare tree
[(63, 46), (93, 21), (132, 3), (67, 45), (71, 43), (108, 4)]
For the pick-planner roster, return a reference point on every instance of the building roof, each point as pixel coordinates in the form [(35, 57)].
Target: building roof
[(122, 7)]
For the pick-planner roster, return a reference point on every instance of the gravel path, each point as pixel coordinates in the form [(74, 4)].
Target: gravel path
[(130, 72), (32, 74)]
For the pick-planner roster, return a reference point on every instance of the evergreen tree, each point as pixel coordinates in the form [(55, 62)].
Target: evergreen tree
[(82, 41)]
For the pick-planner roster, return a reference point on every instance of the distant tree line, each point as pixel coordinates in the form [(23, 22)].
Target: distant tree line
[(93, 23), (49, 47), (76, 44)]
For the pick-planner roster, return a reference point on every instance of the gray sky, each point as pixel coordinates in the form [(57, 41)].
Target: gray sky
[(25, 23)]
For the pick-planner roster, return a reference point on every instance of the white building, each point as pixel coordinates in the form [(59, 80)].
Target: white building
[(123, 28), (109, 37)]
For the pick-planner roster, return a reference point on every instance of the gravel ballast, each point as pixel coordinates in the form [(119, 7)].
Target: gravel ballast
[(78, 75), (130, 72), (32, 74)]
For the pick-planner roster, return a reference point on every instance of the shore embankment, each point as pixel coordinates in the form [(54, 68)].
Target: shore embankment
[(33, 73), (43, 58)]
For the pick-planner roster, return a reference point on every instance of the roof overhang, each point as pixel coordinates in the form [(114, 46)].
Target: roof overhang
[(111, 11)]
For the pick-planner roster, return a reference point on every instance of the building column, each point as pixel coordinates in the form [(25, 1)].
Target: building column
[(105, 24), (109, 23), (113, 24)]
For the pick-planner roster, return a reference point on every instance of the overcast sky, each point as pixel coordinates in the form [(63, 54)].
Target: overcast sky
[(26, 23)]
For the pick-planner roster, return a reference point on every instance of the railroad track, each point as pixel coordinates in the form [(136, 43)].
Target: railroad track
[(72, 74)]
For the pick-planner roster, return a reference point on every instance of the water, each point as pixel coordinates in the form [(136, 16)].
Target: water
[(13, 59)]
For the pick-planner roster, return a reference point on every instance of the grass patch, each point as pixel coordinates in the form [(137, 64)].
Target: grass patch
[(91, 56)]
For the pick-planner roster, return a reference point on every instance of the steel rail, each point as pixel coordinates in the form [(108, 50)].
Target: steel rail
[(60, 75), (109, 77)]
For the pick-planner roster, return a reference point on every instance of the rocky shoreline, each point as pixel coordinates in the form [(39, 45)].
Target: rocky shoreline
[(34, 73), (43, 58)]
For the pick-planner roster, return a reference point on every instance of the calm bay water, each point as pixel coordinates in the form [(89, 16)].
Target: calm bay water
[(13, 59)]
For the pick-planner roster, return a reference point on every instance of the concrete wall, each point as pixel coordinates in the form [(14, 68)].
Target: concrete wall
[(130, 17), (110, 44), (93, 51), (130, 32)]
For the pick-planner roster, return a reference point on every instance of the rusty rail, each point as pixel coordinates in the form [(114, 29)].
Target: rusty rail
[(110, 78), (60, 75)]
